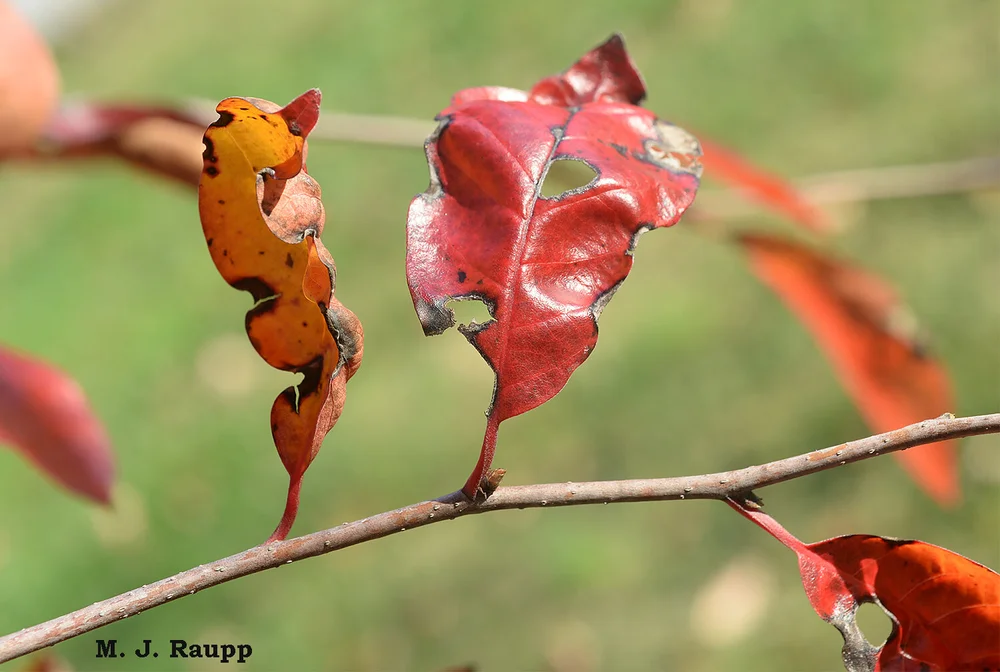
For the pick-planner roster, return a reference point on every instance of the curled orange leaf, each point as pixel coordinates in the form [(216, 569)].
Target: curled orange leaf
[(262, 217)]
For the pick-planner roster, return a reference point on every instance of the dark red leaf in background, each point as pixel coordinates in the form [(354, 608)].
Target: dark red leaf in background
[(46, 662), (545, 267), (863, 328), (45, 415), (946, 608), (163, 140)]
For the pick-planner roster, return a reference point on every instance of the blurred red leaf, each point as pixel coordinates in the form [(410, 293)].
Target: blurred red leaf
[(758, 185), (945, 608), (159, 139), (545, 266), (860, 324), (46, 662), (263, 235), (45, 415)]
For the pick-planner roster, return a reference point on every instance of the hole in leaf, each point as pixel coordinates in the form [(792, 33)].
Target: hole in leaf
[(470, 310), (299, 377), (874, 622), (566, 174)]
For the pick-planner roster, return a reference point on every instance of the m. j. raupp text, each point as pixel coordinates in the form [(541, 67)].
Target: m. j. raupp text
[(179, 648)]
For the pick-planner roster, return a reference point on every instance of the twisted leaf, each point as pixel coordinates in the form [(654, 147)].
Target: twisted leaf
[(262, 216)]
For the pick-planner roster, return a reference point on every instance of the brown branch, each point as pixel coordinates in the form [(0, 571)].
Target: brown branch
[(268, 556), (167, 141), (367, 129), (847, 186)]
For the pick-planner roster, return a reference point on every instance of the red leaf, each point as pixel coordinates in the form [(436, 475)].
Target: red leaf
[(85, 124), (862, 327), (44, 414), (46, 662), (159, 139), (946, 608), (765, 188), (544, 266)]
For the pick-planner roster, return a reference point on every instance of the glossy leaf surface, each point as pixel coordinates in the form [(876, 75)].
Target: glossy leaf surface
[(545, 266), (945, 607)]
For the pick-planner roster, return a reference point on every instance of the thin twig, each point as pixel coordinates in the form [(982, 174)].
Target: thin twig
[(847, 186), (455, 505), (366, 129), (162, 144), (866, 184)]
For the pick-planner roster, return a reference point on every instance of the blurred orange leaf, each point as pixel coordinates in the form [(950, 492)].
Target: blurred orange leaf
[(45, 415), (29, 82), (767, 189), (262, 217), (945, 608), (861, 325)]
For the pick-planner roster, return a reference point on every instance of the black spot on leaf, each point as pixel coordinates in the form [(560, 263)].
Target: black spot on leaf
[(225, 118)]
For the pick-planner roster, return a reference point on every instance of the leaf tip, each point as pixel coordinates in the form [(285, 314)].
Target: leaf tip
[(302, 113), (616, 41), (102, 495)]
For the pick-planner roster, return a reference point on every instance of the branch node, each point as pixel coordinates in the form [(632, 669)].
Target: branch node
[(748, 499), (489, 484)]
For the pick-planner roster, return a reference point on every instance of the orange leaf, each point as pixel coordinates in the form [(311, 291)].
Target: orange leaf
[(763, 187), (29, 82), (45, 415), (262, 217), (945, 608), (861, 326)]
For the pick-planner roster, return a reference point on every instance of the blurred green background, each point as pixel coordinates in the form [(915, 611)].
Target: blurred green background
[(699, 367)]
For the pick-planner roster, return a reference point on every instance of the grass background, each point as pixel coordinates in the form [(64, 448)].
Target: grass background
[(699, 368)]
